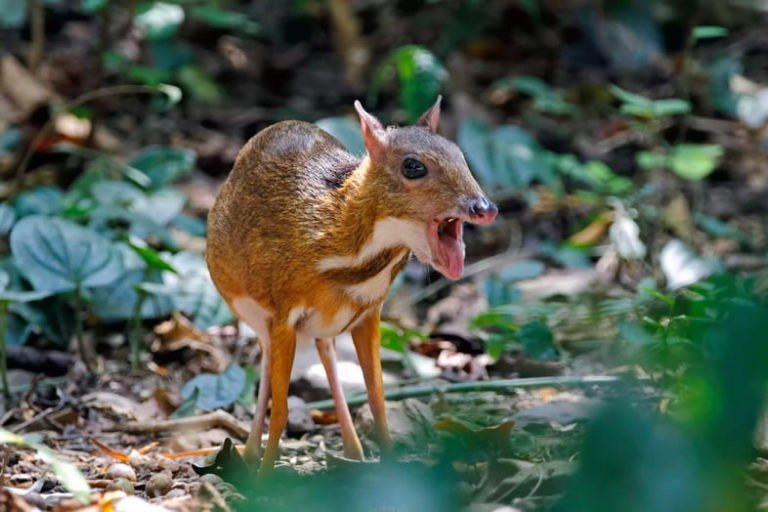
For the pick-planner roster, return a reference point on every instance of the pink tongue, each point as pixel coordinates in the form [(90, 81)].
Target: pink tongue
[(451, 253)]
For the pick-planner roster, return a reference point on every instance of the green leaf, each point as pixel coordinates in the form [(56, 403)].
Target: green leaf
[(189, 406), (93, 6), (649, 161), (507, 156), (546, 99), (347, 131), (640, 106), (199, 84), (67, 473), (537, 340), (118, 300), (41, 200), (13, 13), (226, 19), (420, 74), (159, 20), (192, 291), (53, 317), (248, 396), (695, 161), (709, 32), (20, 296), (216, 390), (58, 256), (150, 256), (163, 165)]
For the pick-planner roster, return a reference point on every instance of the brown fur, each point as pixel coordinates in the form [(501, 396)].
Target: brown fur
[(296, 197)]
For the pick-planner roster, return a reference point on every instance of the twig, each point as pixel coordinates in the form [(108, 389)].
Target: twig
[(472, 387), (213, 419), (474, 269), (34, 419), (117, 90), (37, 26)]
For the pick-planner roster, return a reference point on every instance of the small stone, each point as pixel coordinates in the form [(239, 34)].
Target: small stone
[(121, 484), (211, 479), (159, 484), (119, 470)]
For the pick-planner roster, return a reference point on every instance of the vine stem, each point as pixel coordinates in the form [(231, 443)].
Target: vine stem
[(79, 331), (117, 90), (472, 387), (3, 356), (135, 330)]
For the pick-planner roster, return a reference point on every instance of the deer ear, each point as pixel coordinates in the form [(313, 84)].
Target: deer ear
[(374, 134), (431, 118)]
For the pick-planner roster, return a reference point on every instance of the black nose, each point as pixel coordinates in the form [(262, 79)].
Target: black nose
[(482, 208)]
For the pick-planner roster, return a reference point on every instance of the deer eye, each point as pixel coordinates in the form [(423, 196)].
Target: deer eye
[(413, 169)]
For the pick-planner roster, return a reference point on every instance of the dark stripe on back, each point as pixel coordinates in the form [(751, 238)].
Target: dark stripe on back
[(371, 267)]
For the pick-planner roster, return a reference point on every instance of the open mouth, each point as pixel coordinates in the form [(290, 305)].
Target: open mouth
[(447, 246)]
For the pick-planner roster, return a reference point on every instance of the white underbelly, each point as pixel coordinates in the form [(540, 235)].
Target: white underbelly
[(311, 324)]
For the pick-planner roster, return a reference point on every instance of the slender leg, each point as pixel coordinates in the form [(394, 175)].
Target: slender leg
[(253, 445), (352, 447), (366, 337), (281, 354)]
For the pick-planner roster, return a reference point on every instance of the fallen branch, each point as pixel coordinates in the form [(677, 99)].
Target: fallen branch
[(471, 387), (210, 420)]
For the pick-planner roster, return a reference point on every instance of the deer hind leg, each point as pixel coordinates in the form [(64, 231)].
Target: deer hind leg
[(257, 319), (281, 355), (327, 350)]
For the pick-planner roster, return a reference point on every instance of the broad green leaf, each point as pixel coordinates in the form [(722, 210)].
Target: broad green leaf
[(59, 256), (22, 296), (216, 390), (118, 300), (695, 161), (649, 161), (159, 20), (347, 131), (41, 200), (118, 194), (7, 219), (709, 32), (53, 317), (164, 164), (13, 13), (67, 473), (192, 291)]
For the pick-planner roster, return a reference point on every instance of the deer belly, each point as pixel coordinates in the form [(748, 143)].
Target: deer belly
[(311, 323)]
